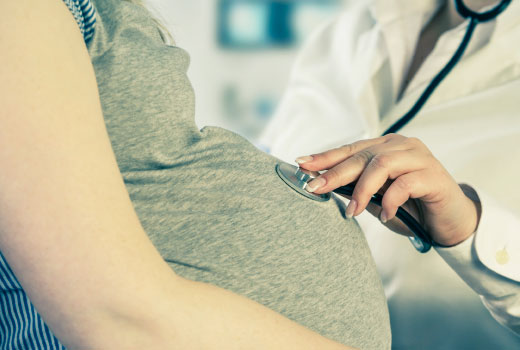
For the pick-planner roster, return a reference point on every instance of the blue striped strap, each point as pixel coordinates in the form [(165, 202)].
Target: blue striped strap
[(21, 327), (85, 15)]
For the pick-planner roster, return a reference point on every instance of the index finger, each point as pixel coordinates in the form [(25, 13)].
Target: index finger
[(333, 157)]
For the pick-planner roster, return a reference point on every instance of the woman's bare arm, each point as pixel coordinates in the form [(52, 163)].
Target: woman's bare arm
[(67, 225)]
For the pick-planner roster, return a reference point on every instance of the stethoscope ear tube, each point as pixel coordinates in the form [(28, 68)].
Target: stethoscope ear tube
[(475, 19), (421, 240), (437, 80), (480, 17)]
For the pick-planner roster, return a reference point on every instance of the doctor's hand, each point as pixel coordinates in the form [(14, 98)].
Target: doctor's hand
[(406, 173)]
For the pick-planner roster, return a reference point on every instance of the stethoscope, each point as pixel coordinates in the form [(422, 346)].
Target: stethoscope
[(298, 178)]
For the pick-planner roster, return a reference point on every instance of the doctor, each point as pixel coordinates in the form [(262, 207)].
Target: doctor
[(360, 73)]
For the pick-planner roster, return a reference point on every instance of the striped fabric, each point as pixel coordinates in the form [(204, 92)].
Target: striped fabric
[(85, 15), (21, 327)]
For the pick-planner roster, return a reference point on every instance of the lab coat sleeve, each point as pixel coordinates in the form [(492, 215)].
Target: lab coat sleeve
[(489, 262)]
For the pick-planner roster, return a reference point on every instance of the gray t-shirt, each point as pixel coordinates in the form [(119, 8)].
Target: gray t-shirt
[(212, 203)]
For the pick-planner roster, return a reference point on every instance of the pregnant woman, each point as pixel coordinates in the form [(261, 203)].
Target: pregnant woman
[(123, 226)]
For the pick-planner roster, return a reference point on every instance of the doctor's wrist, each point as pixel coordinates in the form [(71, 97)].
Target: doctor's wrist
[(469, 216)]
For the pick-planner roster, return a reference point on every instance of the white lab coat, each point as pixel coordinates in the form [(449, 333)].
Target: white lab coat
[(344, 87)]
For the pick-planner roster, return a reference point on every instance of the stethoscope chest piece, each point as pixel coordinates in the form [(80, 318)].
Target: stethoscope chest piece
[(297, 179)]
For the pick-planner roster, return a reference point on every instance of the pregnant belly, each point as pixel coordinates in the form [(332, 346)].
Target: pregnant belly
[(225, 218)]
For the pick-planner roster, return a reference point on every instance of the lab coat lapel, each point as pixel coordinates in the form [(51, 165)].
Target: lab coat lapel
[(399, 23), (495, 64)]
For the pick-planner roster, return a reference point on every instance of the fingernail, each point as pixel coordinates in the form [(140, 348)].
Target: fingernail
[(315, 184), (383, 217), (351, 209), (306, 159)]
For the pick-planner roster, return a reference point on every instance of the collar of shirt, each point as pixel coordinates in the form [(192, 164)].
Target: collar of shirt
[(446, 46), (400, 23)]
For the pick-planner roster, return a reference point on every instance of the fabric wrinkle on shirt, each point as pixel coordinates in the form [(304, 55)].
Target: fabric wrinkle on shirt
[(208, 218)]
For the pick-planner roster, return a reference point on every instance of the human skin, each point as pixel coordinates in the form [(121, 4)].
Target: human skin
[(68, 227), (403, 169), (407, 174)]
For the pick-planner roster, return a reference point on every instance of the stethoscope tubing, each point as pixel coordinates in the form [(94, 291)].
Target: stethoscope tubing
[(475, 18), (489, 15), (437, 80), (422, 240), (405, 217)]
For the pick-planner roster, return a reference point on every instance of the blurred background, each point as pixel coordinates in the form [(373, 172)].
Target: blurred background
[(242, 52)]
